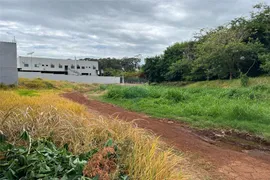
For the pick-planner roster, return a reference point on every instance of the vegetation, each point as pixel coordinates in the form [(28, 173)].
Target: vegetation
[(65, 140), (202, 105), (238, 48), (118, 67), (41, 160)]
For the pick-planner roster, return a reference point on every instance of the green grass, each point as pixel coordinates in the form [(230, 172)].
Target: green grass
[(26, 92), (244, 109)]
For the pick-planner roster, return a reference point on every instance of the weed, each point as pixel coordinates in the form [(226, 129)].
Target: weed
[(25, 92), (68, 124), (134, 92), (175, 96), (245, 108)]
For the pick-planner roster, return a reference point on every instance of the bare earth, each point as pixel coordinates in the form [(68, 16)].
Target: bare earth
[(222, 161)]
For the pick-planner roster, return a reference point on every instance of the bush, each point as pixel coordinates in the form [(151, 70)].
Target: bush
[(103, 87), (175, 96), (114, 93), (3, 86), (36, 84), (68, 124), (135, 92), (42, 159), (244, 80), (261, 88)]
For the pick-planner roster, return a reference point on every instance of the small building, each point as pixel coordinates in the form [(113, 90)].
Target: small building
[(58, 66), (8, 63)]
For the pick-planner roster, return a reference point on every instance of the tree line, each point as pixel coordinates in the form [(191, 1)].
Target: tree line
[(241, 47), (127, 66)]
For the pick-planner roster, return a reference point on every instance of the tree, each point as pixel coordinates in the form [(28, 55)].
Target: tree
[(116, 67), (225, 54), (265, 59), (259, 24), (180, 70), (152, 68), (130, 64)]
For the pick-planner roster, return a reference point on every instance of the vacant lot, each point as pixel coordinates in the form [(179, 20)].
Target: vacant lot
[(245, 109), (45, 136)]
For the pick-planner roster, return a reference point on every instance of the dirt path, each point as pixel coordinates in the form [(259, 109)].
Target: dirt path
[(227, 163)]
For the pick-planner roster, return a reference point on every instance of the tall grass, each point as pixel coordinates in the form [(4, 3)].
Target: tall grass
[(47, 115), (244, 109), (41, 84)]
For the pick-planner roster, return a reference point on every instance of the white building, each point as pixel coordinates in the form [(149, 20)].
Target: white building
[(8, 63), (58, 66)]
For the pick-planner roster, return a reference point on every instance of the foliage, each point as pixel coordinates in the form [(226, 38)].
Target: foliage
[(265, 59), (43, 161), (241, 46), (68, 124), (152, 69), (224, 54), (26, 85), (244, 80), (245, 109), (117, 67)]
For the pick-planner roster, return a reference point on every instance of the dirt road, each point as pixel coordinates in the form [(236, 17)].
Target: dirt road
[(227, 162)]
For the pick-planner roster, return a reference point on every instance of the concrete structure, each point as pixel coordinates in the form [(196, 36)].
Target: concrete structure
[(78, 79), (8, 63), (58, 66)]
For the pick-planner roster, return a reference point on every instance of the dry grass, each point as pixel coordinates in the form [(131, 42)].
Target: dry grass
[(40, 84), (47, 115)]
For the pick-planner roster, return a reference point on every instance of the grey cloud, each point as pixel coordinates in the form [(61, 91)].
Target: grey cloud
[(116, 28)]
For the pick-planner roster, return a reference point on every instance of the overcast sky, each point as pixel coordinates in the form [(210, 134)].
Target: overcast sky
[(115, 28)]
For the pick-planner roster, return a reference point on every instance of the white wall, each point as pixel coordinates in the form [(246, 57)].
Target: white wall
[(44, 64), (8, 63), (78, 79)]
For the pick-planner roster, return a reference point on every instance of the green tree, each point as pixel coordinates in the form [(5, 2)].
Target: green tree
[(224, 54), (152, 68)]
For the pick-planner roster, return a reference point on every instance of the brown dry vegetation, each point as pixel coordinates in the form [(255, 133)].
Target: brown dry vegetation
[(44, 114)]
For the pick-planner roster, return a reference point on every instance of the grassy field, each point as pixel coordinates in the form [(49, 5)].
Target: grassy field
[(43, 135), (212, 104)]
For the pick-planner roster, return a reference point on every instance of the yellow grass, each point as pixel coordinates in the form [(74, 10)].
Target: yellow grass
[(47, 115)]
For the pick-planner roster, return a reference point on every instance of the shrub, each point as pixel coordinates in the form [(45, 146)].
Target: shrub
[(49, 116), (261, 88), (41, 159), (135, 92), (103, 87), (36, 84), (244, 80), (114, 93), (3, 86), (175, 96)]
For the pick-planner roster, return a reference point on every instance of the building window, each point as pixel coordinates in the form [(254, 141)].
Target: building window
[(52, 65), (94, 67), (85, 74), (26, 65), (90, 74), (60, 66), (42, 64), (78, 67), (83, 67), (72, 66), (36, 65), (47, 65)]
